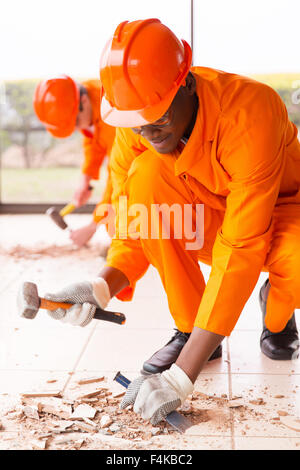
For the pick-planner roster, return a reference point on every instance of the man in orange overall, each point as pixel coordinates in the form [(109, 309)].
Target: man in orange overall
[(64, 106), (189, 136)]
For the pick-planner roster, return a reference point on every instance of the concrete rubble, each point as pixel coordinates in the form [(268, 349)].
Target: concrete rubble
[(88, 418), (73, 420)]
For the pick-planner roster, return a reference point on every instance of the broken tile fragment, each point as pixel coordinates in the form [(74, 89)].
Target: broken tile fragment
[(258, 401), (235, 403), (31, 411), (92, 394), (90, 422), (118, 394), (155, 431), (83, 411), (282, 413), (39, 444), (85, 426), (105, 421), (53, 406), (115, 427), (90, 380), (46, 393), (89, 400)]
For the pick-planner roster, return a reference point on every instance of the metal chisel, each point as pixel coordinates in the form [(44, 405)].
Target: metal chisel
[(175, 419)]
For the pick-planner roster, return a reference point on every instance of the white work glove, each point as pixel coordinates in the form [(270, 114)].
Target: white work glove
[(86, 297), (155, 396)]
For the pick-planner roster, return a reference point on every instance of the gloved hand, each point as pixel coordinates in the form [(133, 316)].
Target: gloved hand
[(86, 297), (155, 396)]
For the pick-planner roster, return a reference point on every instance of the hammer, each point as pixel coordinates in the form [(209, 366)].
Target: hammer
[(29, 303), (58, 216)]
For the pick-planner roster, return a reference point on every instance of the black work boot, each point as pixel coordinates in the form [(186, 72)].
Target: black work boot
[(168, 354), (278, 346)]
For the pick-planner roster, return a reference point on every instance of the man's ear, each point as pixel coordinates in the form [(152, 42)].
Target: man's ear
[(84, 98), (190, 83)]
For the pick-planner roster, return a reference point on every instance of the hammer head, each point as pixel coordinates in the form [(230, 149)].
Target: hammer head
[(28, 301), (57, 218)]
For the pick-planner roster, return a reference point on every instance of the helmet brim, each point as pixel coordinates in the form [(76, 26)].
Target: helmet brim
[(132, 118), (62, 132)]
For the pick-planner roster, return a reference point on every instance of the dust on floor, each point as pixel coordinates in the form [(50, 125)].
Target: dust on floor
[(88, 416)]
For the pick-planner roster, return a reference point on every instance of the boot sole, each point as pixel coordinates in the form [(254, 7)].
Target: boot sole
[(275, 357)]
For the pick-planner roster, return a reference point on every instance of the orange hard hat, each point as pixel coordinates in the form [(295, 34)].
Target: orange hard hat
[(56, 103), (141, 69)]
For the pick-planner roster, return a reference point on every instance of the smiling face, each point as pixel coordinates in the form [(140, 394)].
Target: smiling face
[(178, 121)]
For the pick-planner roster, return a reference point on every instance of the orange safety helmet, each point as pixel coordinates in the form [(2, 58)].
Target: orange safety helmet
[(56, 103), (141, 69)]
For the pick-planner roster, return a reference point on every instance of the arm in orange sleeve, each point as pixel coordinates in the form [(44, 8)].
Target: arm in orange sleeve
[(251, 149), (106, 198), (125, 254), (94, 155)]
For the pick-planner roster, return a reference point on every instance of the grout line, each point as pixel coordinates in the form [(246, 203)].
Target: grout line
[(230, 395), (4, 287), (78, 359)]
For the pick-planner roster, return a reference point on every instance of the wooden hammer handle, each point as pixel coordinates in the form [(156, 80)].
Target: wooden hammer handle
[(51, 305), (100, 314)]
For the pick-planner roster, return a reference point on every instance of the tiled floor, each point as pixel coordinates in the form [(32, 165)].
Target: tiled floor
[(34, 351)]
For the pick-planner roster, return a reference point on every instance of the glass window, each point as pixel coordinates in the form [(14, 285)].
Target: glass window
[(43, 40), (254, 38)]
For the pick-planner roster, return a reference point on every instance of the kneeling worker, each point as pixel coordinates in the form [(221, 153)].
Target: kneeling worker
[(189, 136)]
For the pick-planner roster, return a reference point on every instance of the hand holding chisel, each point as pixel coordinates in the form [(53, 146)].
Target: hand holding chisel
[(167, 412)]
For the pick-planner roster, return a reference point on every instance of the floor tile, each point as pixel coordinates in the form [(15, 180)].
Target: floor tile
[(21, 381), (265, 443), (192, 443), (118, 348), (32, 348), (213, 385), (246, 356), (211, 415), (113, 349), (265, 399)]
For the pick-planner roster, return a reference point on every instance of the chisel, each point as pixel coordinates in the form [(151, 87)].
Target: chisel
[(175, 419)]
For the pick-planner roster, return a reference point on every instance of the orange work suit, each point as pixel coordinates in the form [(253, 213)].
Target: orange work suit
[(97, 142), (242, 161)]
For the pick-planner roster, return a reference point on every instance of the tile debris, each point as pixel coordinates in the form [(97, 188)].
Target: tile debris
[(89, 417), (90, 380), (83, 411)]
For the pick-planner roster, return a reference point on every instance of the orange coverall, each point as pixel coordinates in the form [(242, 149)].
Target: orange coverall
[(97, 143), (242, 161)]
